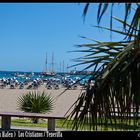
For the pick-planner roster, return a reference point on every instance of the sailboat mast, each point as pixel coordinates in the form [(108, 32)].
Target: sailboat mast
[(67, 68), (63, 65), (46, 63), (52, 62), (60, 66)]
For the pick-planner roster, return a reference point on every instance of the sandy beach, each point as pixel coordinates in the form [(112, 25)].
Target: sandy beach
[(9, 97)]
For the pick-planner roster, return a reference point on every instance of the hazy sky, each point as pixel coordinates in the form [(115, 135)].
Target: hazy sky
[(29, 30)]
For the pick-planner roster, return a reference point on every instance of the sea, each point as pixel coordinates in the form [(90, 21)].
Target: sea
[(22, 76)]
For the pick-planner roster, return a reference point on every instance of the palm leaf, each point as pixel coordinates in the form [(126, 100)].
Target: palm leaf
[(35, 102), (101, 12), (102, 8), (116, 31), (127, 12), (85, 11), (134, 24), (122, 21), (108, 93)]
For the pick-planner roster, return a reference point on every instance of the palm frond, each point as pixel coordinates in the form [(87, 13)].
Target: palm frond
[(114, 99), (102, 8), (127, 12), (115, 86), (110, 94), (135, 24), (122, 21), (101, 11), (35, 102), (117, 31), (85, 11)]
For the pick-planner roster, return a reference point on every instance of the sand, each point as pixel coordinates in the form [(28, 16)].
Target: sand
[(9, 97)]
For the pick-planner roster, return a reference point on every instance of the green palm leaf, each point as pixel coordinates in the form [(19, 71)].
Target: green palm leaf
[(35, 102), (116, 31)]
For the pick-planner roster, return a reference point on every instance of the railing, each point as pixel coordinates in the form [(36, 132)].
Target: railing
[(6, 119)]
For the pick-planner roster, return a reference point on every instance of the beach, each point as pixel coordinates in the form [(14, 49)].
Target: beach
[(9, 97)]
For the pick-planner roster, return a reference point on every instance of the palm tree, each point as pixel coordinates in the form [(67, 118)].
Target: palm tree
[(35, 102), (116, 72)]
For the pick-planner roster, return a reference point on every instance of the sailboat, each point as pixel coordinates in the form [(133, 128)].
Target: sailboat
[(47, 73)]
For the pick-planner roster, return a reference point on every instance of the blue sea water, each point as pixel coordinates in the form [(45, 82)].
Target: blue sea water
[(34, 75), (12, 74)]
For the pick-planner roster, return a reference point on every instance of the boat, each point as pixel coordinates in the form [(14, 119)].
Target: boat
[(47, 73), (27, 74)]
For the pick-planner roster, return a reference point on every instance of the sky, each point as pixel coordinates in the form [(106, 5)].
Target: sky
[(30, 30)]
